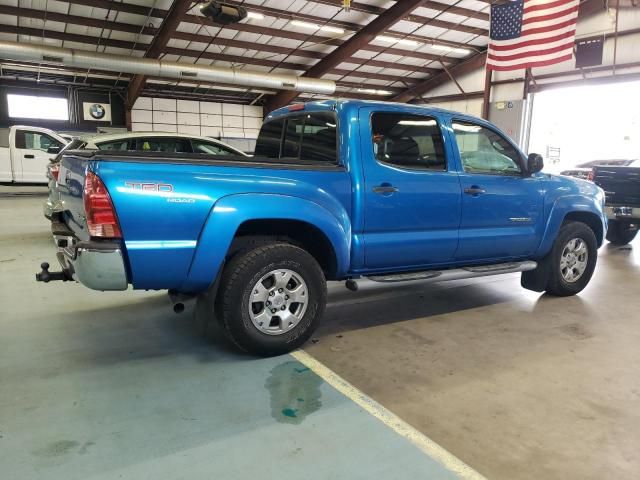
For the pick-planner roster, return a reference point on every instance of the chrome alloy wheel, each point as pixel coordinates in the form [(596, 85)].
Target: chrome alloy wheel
[(573, 260), (278, 301)]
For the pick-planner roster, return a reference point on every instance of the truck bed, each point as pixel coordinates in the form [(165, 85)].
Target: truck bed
[(164, 202)]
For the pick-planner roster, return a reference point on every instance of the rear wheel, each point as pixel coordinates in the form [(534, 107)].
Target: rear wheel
[(572, 259), (271, 298), (621, 233)]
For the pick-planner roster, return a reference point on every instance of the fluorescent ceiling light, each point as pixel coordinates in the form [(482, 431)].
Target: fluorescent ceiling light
[(373, 91), (314, 26), (450, 49), (255, 16), (403, 41), (418, 123)]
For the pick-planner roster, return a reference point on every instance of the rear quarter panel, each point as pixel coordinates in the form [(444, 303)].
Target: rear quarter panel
[(163, 209)]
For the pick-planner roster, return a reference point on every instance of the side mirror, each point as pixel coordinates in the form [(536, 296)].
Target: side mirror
[(53, 150), (535, 163)]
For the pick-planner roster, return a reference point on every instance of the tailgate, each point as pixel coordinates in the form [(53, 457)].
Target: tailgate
[(620, 184), (73, 168)]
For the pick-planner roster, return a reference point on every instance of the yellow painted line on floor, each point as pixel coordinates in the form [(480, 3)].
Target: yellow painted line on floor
[(420, 440)]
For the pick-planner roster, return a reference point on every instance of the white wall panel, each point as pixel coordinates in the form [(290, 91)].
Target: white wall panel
[(165, 104), (209, 120), (209, 107), (188, 118), (141, 127), (252, 122), (232, 109), (144, 103), (240, 123), (233, 132), (233, 122), (164, 117), (252, 111), (188, 106), (211, 131), (141, 116), (165, 127), (189, 129)]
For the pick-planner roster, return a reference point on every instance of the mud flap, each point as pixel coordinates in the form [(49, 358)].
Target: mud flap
[(538, 278)]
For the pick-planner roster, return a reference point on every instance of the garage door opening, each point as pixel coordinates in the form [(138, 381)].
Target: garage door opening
[(576, 125)]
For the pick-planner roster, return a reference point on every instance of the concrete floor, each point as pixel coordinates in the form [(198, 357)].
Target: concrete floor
[(517, 385), (113, 385)]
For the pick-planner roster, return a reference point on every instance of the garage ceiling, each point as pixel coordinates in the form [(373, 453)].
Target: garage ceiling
[(281, 36)]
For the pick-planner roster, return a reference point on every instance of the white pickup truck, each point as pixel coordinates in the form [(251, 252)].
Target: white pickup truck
[(25, 153)]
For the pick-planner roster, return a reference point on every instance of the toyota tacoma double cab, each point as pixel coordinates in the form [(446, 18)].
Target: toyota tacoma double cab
[(336, 190)]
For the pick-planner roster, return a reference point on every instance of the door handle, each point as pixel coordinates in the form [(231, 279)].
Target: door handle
[(475, 191), (28, 155), (385, 188)]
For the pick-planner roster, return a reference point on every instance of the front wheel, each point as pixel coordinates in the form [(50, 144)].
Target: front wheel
[(572, 259), (620, 233), (271, 298)]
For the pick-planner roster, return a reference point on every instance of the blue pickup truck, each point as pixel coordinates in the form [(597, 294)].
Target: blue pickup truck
[(337, 190)]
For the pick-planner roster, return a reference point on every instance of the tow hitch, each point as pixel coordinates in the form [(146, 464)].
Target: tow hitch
[(46, 276)]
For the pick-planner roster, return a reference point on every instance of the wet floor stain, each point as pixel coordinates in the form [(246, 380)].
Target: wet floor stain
[(56, 449), (295, 392)]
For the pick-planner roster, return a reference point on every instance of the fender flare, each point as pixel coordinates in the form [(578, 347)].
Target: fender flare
[(562, 207), (231, 211)]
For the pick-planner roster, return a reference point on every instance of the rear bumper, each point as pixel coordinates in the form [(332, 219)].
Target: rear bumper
[(97, 264), (50, 209), (622, 213)]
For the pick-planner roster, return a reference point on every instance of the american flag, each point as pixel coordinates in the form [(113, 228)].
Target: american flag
[(531, 33)]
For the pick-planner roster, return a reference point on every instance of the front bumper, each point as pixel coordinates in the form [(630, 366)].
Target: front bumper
[(97, 264), (623, 213)]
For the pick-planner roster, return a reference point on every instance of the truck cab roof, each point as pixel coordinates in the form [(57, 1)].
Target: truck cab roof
[(337, 104)]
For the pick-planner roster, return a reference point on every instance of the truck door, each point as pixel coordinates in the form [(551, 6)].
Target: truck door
[(502, 209), (30, 155), (412, 200)]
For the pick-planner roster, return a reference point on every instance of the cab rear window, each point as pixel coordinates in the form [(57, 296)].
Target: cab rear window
[(307, 136)]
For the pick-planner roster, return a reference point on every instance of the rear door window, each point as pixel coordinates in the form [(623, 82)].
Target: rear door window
[(268, 143), (310, 136), (408, 141)]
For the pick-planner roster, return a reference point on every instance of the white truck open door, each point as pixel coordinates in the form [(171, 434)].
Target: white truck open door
[(29, 157)]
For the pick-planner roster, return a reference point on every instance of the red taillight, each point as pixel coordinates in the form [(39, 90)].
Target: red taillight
[(101, 216), (591, 175), (55, 171)]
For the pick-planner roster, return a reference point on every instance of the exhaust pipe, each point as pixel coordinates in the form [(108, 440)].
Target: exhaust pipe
[(73, 57)]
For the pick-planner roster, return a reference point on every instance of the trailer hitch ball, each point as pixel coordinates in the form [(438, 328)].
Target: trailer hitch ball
[(44, 275), (178, 307)]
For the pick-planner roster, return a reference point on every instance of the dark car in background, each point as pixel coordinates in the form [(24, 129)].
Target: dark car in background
[(621, 185), (583, 170)]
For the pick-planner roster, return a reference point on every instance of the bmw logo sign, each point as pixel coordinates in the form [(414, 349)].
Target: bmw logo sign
[(97, 111)]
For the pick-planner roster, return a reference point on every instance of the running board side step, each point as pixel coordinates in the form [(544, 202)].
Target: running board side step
[(457, 273)]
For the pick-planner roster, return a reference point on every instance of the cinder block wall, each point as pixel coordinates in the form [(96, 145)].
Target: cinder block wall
[(237, 125)]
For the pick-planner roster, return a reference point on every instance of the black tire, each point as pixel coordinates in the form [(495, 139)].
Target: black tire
[(240, 276), (620, 233), (557, 284)]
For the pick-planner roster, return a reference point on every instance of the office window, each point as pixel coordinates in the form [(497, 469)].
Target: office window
[(32, 106)]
